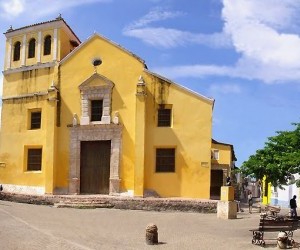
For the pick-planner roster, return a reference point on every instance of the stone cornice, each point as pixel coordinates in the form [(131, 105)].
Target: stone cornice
[(31, 67), (25, 96)]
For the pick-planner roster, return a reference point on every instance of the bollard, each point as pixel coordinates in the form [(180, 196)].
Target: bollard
[(283, 241), (151, 234)]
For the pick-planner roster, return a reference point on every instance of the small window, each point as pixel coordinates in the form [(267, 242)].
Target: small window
[(17, 51), (165, 160), (215, 154), (164, 117), (96, 110), (47, 45), (35, 121), (34, 159), (31, 48)]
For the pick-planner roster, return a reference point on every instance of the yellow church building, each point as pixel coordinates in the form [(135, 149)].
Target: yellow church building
[(91, 118)]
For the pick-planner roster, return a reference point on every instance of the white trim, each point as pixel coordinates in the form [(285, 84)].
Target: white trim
[(55, 44), (216, 154), (23, 54), (35, 28), (26, 68), (39, 47), (105, 39), (9, 53), (25, 95), (55, 24)]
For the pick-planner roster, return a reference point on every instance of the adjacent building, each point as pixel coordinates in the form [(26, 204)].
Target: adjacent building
[(91, 118)]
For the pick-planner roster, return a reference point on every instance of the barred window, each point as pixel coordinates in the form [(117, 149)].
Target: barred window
[(34, 159), (17, 51), (165, 160), (164, 117), (35, 120), (31, 48), (96, 110)]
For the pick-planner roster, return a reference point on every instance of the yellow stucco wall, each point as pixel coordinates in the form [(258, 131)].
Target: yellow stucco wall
[(25, 91), (124, 71), (190, 133), (225, 154), (192, 164)]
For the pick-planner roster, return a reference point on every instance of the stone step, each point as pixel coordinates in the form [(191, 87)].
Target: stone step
[(82, 205)]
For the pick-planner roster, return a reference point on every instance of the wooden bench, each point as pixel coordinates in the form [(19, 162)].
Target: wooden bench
[(279, 224)]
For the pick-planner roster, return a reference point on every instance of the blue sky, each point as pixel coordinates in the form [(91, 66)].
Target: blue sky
[(245, 54)]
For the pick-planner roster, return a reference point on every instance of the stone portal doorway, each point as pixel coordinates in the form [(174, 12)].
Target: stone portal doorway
[(95, 167), (105, 138)]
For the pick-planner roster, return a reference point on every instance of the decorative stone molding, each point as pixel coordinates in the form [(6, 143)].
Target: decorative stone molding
[(114, 186), (97, 87), (99, 132)]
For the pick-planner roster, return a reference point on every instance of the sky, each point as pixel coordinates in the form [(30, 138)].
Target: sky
[(243, 53)]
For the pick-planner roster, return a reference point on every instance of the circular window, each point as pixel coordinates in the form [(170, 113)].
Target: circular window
[(97, 62)]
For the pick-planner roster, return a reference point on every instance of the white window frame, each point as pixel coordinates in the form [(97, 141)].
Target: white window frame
[(215, 154)]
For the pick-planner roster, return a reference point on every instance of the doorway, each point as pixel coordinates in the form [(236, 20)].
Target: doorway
[(95, 167), (216, 182)]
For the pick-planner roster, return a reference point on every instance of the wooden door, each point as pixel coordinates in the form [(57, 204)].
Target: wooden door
[(216, 181), (95, 167)]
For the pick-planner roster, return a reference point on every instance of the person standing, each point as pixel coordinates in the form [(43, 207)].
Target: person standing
[(293, 206), (250, 201)]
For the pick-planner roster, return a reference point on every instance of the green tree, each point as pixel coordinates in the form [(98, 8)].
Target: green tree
[(278, 160)]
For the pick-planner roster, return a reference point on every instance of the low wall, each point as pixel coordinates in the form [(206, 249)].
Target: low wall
[(117, 202)]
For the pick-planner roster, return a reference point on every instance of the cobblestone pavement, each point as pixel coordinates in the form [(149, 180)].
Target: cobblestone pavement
[(33, 227)]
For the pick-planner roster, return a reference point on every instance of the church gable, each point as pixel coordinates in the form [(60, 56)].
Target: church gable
[(96, 81), (104, 41)]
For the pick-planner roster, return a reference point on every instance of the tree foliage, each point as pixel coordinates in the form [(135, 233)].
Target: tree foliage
[(278, 160)]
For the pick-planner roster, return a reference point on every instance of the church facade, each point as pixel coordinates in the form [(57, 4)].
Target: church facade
[(91, 118)]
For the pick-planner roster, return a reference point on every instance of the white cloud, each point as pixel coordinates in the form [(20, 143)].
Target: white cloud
[(157, 14), (254, 33), (225, 89), (12, 8), (197, 71), (9, 9), (263, 34), (169, 38)]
